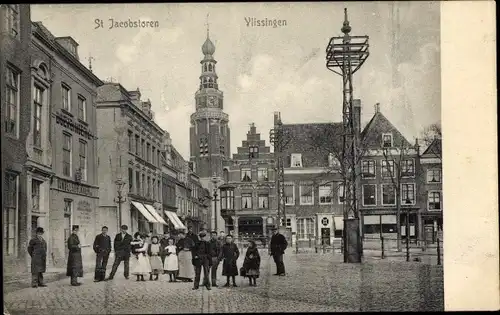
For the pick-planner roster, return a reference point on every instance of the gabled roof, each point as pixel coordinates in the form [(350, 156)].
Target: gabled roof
[(434, 148), (379, 124)]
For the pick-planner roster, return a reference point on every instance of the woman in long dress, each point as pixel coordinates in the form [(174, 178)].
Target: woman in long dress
[(139, 249), (171, 265), (251, 264), (185, 246), (230, 254), (154, 258)]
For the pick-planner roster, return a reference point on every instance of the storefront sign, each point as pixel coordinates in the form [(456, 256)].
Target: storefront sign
[(75, 188), (68, 123)]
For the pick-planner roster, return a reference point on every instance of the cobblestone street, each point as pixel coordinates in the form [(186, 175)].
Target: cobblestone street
[(314, 282)]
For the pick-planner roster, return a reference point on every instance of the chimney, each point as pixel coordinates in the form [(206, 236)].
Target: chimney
[(69, 44), (135, 97), (377, 108), (356, 104), (277, 118), (146, 108)]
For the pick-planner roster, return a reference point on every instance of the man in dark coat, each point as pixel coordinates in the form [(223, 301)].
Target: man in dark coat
[(202, 259), (75, 266), (277, 249), (215, 248), (229, 253), (191, 235), (102, 247), (122, 252), (37, 249), (163, 244)]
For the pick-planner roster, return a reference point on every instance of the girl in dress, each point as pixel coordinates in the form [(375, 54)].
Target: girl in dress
[(171, 262), (154, 258), (251, 264), (230, 254), (139, 249)]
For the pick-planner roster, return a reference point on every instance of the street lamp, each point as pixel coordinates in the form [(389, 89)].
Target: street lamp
[(120, 199), (215, 181)]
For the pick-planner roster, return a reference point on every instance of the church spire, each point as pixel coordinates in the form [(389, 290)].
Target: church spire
[(208, 47)]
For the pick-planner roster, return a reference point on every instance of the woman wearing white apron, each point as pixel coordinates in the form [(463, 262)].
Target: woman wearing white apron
[(184, 247), (171, 265), (139, 249)]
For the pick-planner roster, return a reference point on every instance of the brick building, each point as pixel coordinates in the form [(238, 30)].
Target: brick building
[(129, 151), (15, 84), (169, 180)]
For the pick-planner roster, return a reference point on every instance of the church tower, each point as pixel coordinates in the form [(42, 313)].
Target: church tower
[(209, 131)]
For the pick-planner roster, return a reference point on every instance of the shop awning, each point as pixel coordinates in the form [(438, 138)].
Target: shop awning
[(144, 212), (172, 216), (155, 214), (339, 223)]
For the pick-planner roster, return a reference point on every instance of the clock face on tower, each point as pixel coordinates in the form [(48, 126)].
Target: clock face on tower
[(211, 101)]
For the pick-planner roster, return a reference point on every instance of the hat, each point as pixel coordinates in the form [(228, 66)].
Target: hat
[(202, 234), (39, 230), (274, 228)]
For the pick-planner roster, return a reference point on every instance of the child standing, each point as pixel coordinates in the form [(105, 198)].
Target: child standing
[(230, 254), (251, 264), (154, 258), (171, 265)]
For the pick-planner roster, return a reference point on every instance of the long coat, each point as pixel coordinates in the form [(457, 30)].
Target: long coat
[(230, 254), (278, 244), (75, 266), (251, 264), (122, 245), (37, 249)]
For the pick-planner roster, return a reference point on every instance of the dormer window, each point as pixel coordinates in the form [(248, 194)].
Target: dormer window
[(387, 140), (296, 160), (333, 161)]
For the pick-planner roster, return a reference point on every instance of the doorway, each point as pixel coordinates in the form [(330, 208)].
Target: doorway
[(34, 225)]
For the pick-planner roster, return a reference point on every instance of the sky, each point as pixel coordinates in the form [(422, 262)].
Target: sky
[(263, 69)]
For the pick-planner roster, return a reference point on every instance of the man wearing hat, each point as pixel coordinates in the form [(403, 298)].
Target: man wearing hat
[(122, 252), (215, 248), (277, 249), (37, 249), (75, 267), (202, 259)]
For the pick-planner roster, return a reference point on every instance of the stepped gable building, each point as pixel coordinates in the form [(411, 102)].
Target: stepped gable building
[(248, 200), (130, 163), (209, 131), (17, 114)]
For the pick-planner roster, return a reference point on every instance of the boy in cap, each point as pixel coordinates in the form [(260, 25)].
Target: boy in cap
[(202, 259)]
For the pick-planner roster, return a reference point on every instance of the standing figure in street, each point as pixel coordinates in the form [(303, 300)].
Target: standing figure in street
[(215, 249), (122, 252), (139, 247), (190, 234), (222, 238), (185, 246), (37, 249), (230, 254), (277, 249), (251, 264), (75, 267), (163, 246), (102, 248), (171, 264), (154, 258), (202, 259)]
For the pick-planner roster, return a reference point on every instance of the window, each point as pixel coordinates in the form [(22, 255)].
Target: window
[(388, 194), (263, 201), (325, 194), (340, 193), (296, 160), (333, 161), (408, 194), (262, 175), (38, 94), (143, 149), (83, 159), (434, 201), (369, 195), (82, 108), (368, 169), (246, 201), (137, 182), (408, 168), (10, 213), (35, 195), (306, 194), (148, 152), (253, 152), (148, 183), (387, 168), (434, 175), (12, 99), (137, 145), (13, 19), (289, 194), (227, 199), (67, 144), (246, 175), (143, 185), (154, 188), (305, 228), (130, 179), (130, 141), (66, 98), (387, 140)]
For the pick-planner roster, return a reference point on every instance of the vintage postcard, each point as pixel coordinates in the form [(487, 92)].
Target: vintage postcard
[(248, 157)]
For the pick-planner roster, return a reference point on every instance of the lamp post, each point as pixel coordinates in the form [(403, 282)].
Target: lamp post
[(119, 199), (215, 181)]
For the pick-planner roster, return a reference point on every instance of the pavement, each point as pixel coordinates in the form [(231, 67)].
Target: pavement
[(314, 283)]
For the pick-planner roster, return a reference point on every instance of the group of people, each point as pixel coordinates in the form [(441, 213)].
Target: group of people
[(182, 258)]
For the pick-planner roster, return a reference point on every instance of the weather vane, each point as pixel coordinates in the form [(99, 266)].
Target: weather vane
[(208, 25)]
